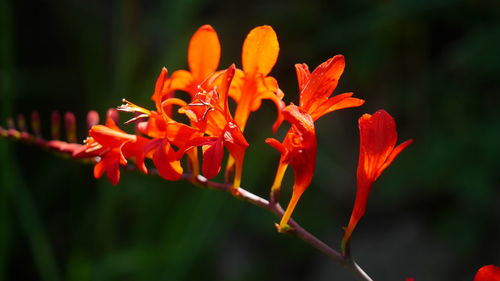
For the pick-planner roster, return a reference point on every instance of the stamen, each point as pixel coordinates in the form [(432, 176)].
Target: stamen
[(130, 107), (137, 118)]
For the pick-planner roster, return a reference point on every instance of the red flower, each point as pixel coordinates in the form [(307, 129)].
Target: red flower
[(488, 273), (114, 146), (211, 115), (378, 138), (299, 147)]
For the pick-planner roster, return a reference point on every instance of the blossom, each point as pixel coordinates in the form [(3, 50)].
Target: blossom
[(113, 146), (211, 114), (252, 84), (203, 59), (165, 131), (488, 273), (299, 146), (378, 138)]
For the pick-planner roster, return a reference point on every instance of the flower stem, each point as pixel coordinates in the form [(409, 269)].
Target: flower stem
[(298, 231)]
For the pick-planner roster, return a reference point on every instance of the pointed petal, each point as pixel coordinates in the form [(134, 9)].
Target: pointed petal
[(393, 155), (160, 81), (113, 172), (99, 169), (323, 81), (335, 103), (223, 91), (303, 75), (204, 52), (260, 50), (109, 137)]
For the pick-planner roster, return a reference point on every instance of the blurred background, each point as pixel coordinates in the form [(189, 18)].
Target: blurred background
[(433, 215)]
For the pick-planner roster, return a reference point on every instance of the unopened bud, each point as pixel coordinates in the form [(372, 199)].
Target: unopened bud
[(70, 125), (92, 119), (10, 123), (55, 121), (11, 131), (21, 123), (35, 124), (113, 114)]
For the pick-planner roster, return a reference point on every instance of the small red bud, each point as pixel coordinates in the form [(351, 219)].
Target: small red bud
[(92, 119), (35, 124), (55, 125), (21, 123), (113, 114)]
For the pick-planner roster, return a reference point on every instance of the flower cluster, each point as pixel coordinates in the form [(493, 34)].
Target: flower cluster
[(213, 129)]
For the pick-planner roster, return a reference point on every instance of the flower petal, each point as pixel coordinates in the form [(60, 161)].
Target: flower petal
[(335, 103), (165, 161), (212, 158), (393, 155), (323, 80), (303, 75), (260, 50), (277, 145), (204, 52)]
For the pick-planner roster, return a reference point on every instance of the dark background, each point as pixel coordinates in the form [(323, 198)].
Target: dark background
[(433, 215)]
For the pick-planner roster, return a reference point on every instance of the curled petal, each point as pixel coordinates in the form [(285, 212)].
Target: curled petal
[(277, 145), (160, 82), (212, 158), (296, 116), (165, 160)]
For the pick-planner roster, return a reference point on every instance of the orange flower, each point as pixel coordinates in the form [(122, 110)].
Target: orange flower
[(166, 132), (488, 273), (299, 147), (203, 59), (252, 85), (378, 138)]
